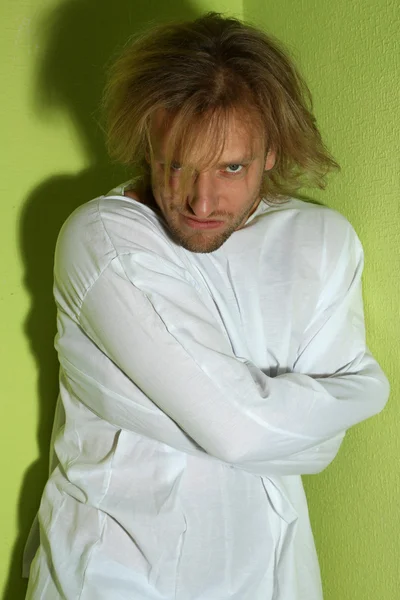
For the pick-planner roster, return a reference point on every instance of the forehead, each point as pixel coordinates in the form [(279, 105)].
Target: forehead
[(236, 135)]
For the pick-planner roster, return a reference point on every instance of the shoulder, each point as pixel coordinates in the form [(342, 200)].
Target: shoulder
[(105, 227), (313, 224), (94, 235), (309, 215), (318, 239)]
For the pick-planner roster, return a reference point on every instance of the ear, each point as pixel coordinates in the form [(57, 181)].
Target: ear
[(270, 160)]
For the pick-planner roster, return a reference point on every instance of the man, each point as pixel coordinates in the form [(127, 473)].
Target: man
[(210, 335)]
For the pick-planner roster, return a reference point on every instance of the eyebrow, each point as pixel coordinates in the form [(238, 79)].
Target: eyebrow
[(243, 160)]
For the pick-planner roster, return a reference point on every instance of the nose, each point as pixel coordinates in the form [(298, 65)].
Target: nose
[(204, 200)]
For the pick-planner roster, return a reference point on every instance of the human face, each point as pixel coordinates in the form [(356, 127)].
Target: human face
[(221, 198)]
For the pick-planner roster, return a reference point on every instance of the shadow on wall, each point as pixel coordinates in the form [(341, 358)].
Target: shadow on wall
[(78, 38)]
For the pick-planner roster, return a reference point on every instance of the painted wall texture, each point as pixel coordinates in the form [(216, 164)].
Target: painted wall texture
[(349, 53), (53, 159)]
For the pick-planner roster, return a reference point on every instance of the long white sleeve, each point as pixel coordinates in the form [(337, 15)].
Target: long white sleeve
[(190, 386), (145, 314)]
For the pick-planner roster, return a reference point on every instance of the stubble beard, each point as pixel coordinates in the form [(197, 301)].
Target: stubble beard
[(204, 242)]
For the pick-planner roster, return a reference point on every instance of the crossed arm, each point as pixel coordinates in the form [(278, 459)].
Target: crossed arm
[(144, 312)]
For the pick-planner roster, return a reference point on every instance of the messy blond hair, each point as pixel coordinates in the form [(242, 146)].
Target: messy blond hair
[(200, 73)]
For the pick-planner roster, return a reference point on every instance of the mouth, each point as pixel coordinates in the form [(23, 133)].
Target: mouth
[(200, 224)]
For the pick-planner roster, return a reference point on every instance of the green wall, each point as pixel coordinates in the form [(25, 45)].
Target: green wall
[(349, 51), (52, 156)]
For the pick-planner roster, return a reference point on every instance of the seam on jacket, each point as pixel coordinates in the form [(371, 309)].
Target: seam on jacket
[(76, 432), (103, 514), (52, 573), (105, 266), (92, 549), (336, 304)]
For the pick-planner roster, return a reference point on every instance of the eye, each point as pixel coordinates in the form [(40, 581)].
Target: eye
[(175, 166), (234, 168)]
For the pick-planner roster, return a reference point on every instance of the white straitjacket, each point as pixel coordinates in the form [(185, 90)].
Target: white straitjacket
[(195, 390)]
